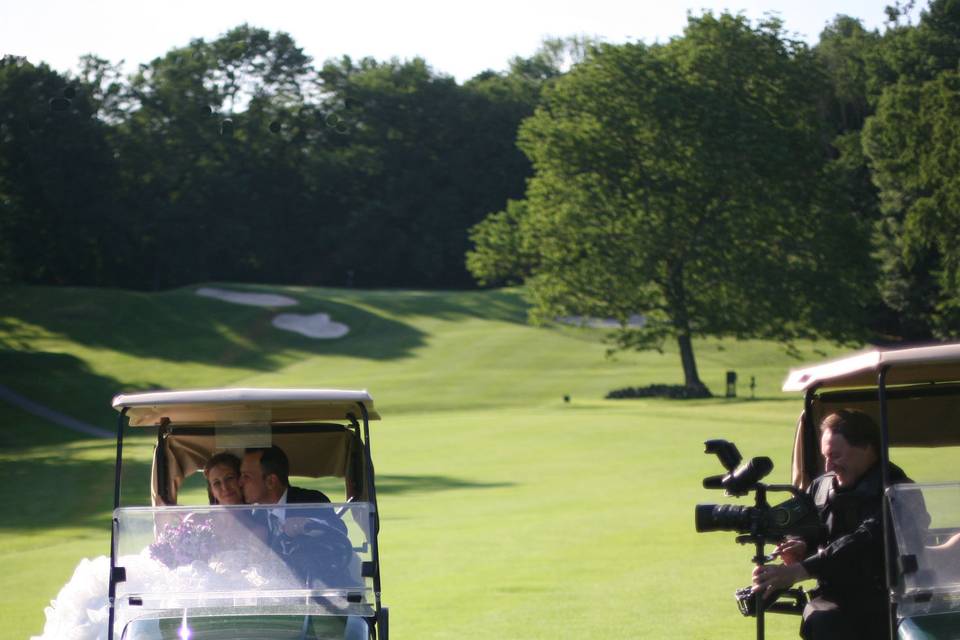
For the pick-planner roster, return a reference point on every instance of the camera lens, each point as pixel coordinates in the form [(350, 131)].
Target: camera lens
[(722, 517)]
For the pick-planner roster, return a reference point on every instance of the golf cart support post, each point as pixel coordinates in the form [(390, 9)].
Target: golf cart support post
[(319, 430)]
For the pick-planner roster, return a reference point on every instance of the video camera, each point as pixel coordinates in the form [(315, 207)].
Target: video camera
[(759, 524), (794, 517)]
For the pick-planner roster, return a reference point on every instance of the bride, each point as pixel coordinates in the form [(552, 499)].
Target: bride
[(201, 555), (81, 609)]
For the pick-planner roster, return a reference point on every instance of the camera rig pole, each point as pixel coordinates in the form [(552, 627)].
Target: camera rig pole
[(759, 559)]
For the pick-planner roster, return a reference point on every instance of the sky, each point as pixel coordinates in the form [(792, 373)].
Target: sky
[(454, 37)]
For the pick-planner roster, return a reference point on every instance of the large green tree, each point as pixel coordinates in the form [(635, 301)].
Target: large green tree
[(424, 159), (685, 182), (57, 213), (912, 145), (211, 177)]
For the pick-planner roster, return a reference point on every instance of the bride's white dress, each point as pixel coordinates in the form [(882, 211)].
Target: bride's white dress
[(81, 609)]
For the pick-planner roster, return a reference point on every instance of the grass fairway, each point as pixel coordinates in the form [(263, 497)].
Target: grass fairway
[(506, 511)]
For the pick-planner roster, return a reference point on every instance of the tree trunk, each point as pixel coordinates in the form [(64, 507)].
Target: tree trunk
[(691, 379), (677, 299)]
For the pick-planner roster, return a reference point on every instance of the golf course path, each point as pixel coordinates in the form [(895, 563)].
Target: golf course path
[(47, 413)]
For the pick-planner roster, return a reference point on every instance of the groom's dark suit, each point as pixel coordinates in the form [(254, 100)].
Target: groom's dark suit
[(324, 550), (296, 495)]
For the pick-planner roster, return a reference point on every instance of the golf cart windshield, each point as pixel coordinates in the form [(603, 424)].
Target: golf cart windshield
[(928, 557), (244, 560)]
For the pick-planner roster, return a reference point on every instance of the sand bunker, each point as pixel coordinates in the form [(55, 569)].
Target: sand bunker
[(635, 321), (317, 325), (252, 299)]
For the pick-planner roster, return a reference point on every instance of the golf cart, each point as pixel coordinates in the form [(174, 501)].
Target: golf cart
[(914, 395), (227, 571)]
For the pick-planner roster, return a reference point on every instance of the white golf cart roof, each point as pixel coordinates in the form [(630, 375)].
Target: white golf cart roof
[(242, 406), (923, 399), (917, 365)]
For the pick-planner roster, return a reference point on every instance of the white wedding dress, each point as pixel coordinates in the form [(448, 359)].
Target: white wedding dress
[(81, 609)]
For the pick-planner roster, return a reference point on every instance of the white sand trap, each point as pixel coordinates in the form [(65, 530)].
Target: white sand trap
[(252, 299), (635, 321), (317, 325)]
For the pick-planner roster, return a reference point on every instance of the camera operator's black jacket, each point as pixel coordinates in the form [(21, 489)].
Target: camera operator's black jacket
[(849, 565)]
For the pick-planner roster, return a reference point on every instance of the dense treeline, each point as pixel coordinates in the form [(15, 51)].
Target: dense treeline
[(734, 181), (826, 176), (239, 159)]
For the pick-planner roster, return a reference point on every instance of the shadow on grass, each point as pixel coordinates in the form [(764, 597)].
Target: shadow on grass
[(499, 305), (678, 402), (179, 326), (71, 485), (399, 484), (55, 487), (785, 397), (60, 382)]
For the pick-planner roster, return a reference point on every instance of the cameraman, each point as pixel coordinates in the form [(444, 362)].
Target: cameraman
[(848, 558)]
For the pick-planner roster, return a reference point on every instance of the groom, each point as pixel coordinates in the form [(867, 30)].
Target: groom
[(264, 479)]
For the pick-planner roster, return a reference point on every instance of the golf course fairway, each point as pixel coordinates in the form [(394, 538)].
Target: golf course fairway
[(507, 510)]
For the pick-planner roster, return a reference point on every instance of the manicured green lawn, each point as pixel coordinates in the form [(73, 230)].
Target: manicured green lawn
[(506, 512)]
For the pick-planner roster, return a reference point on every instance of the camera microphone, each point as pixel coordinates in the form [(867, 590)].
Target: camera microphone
[(746, 477), (713, 482)]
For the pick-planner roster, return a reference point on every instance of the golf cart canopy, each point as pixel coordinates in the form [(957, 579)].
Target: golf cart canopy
[(239, 406), (919, 365), (318, 429), (922, 389)]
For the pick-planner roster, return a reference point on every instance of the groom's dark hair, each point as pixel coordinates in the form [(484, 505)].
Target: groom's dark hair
[(273, 460)]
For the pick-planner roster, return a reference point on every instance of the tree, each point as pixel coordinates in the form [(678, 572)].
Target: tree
[(845, 51), (854, 63), (685, 182), (424, 160), (911, 142), (56, 171), (211, 183), (914, 144)]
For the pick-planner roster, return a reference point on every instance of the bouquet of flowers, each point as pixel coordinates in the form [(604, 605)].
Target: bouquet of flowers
[(183, 543)]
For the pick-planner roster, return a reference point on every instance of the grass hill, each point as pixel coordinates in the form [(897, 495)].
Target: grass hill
[(507, 512)]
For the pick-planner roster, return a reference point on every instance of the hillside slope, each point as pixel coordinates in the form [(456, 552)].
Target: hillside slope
[(478, 456), (75, 348)]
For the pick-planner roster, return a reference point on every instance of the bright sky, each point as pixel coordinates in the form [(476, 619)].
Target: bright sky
[(456, 38)]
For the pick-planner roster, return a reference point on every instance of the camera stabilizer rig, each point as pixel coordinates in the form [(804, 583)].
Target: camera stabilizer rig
[(757, 525)]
